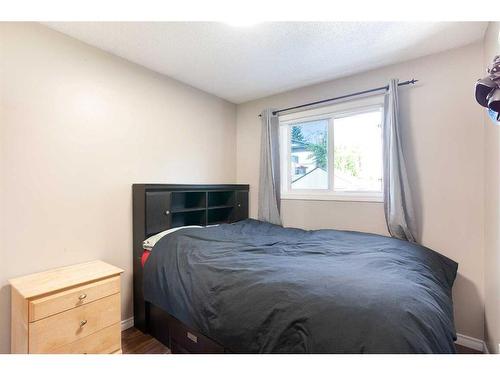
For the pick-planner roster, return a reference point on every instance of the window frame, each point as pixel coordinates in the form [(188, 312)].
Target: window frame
[(330, 113)]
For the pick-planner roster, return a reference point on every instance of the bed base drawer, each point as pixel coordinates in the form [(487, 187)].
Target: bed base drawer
[(177, 349), (177, 336), (184, 340)]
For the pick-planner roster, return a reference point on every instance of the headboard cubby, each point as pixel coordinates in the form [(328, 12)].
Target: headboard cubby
[(158, 207)]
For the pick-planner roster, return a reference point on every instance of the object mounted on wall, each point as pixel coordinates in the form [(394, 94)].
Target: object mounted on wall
[(494, 116), (488, 91)]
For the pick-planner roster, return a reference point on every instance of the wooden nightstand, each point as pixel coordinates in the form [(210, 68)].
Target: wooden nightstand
[(73, 309)]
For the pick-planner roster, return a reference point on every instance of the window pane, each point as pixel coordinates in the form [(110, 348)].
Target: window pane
[(358, 152), (309, 155)]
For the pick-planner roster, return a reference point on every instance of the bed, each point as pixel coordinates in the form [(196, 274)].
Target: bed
[(246, 286)]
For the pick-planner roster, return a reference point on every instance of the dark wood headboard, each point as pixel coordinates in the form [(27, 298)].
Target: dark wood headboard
[(158, 207)]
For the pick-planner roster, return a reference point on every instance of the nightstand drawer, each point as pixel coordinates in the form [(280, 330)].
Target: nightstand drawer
[(107, 340), (64, 328), (55, 303)]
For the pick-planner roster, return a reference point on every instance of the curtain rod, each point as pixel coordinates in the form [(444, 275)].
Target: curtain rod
[(410, 82)]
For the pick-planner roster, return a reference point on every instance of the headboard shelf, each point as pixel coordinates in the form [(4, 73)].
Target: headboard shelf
[(192, 209), (219, 215), (221, 198), (158, 207), (222, 206), (188, 200), (181, 219)]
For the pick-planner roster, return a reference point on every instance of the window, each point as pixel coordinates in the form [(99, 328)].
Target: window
[(308, 150), (333, 152)]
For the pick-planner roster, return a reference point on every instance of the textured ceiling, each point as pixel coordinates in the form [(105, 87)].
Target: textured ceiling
[(241, 64)]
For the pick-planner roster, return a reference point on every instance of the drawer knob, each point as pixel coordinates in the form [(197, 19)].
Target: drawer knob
[(167, 212), (83, 322), (82, 296)]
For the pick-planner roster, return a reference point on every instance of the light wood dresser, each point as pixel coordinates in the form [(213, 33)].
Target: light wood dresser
[(73, 309)]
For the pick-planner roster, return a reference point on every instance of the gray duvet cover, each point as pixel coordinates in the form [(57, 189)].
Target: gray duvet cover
[(259, 288)]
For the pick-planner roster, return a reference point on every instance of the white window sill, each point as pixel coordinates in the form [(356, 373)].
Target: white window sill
[(355, 197)]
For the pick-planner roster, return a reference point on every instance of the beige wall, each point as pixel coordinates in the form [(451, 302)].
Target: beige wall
[(77, 128), (443, 132), (492, 204)]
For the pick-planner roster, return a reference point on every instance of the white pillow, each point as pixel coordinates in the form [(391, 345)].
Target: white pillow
[(148, 243)]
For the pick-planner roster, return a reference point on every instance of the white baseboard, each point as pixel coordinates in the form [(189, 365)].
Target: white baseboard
[(127, 323), (472, 343)]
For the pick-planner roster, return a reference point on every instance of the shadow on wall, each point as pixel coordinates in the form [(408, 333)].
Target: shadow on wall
[(466, 295), (5, 319), (405, 111)]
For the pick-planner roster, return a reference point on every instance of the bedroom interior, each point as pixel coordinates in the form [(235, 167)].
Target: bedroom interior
[(284, 187)]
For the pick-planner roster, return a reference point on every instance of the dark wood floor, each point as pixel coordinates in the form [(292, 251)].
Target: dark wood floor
[(136, 342)]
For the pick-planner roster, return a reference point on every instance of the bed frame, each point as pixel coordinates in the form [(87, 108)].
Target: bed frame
[(158, 207)]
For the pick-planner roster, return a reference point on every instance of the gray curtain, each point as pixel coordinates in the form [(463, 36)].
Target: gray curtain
[(269, 178), (397, 196)]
